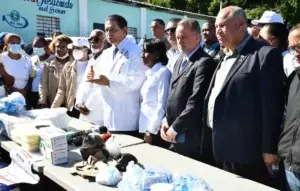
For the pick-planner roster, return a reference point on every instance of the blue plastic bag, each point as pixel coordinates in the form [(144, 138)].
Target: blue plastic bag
[(13, 104), (189, 183), (153, 176)]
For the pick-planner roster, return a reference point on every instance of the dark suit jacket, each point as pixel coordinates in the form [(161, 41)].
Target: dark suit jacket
[(248, 110), (187, 91)]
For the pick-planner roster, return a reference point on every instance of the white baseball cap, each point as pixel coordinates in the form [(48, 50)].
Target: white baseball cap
[(268, 17), (79, 42)]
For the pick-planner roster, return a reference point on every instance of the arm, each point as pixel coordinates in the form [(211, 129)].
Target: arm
[(272, 99), (43, 88), (194, 107), (61, 91), (132, 76), (162, 96)]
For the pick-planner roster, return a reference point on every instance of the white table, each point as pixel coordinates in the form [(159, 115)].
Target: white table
[(151, 156)]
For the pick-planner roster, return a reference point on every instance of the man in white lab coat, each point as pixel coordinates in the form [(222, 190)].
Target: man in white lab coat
[(122, 75)]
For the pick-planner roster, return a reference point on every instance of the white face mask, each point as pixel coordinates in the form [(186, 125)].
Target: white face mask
[(14, 48), (78, 54), (39, 51), (61, 57)]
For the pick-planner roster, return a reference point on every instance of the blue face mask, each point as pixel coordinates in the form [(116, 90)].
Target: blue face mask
[(39, 51), (14, 48)]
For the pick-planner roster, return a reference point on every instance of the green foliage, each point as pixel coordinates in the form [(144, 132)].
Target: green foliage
[(289, 9)]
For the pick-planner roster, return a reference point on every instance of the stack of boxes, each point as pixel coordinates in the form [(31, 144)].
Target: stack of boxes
[(53, 145)]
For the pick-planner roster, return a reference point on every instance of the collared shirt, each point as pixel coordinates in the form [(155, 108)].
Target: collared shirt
[(288, 64), (154, 94), (171, 52), (211, 49), (221, 75), (172, 61)]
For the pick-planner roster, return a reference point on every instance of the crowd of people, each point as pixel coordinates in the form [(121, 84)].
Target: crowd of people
[(225, 94)]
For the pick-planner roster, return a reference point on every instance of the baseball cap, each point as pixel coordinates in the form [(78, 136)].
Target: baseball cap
[(2, 36), (79, 42), (268, 17)]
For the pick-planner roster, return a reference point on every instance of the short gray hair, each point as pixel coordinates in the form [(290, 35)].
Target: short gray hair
[(237, 12), (192, 23), (98, 32)]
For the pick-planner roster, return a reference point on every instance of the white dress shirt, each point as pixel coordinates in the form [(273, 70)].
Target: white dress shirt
[(288, 63), (226, 65), (154, 95)]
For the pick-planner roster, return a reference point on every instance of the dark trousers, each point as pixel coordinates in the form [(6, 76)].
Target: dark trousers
[(32, 100), (255, 172)]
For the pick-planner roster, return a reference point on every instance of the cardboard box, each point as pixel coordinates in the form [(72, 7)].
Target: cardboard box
[(55, 157), (54, 138)]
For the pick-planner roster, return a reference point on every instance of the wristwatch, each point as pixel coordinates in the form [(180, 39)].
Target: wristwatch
[(148, 133)]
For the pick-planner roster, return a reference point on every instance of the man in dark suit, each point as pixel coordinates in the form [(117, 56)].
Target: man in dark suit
[(245, 101), (191, 77)]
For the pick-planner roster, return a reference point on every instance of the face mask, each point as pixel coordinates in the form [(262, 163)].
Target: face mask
[(78, 54), (39, 51), (14, 48), (95, 50), (61, 57)]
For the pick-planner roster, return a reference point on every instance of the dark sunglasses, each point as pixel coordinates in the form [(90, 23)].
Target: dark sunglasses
[(95, 39), (171, 30)]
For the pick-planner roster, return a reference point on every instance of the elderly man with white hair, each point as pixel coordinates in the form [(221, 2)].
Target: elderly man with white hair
[(245, 101), (89, 101)]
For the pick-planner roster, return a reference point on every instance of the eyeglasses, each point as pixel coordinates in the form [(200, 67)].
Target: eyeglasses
[(170, 30), (95, 39), (294, 49)]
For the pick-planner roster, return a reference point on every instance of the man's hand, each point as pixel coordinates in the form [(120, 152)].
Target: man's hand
[(270, 159), (83, 109), (103, 80), (91, 74), (163, 130), (148, 139), (171, 136)]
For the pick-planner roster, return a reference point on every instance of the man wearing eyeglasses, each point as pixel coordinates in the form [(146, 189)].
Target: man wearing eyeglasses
[(173, 52), (289, 144)]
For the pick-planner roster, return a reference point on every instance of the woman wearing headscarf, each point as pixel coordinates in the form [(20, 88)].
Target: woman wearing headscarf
[(71, 78), (53, 70), (16, 65), (154, 92)]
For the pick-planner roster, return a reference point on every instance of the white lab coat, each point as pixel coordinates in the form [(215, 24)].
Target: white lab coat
[(90, 95), (154, 95), (126, 74)]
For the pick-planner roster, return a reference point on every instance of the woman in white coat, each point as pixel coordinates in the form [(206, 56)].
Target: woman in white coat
[(154, 92)]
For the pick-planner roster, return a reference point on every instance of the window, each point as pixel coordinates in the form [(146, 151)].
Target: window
[(132, 31), (46, 25), (98, 26)]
